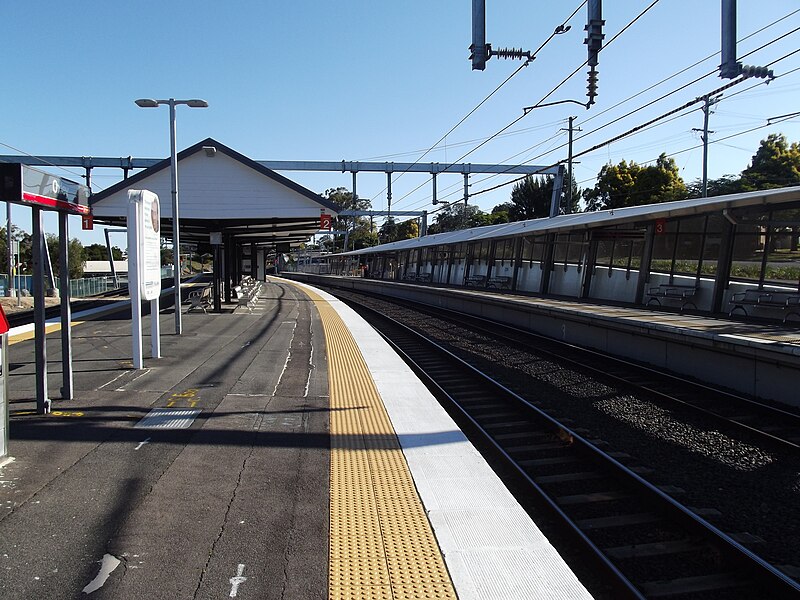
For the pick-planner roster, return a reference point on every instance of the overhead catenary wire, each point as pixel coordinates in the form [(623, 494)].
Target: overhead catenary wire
[(550, 93), (750, 35), (492, 93)]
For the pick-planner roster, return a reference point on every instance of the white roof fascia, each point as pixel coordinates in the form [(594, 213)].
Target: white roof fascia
[(600, 218)]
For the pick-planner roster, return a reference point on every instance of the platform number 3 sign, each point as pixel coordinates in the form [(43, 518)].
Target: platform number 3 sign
[(661, 226)]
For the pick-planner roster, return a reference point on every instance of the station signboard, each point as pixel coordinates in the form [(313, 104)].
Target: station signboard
[(148, 227), (22, 184)]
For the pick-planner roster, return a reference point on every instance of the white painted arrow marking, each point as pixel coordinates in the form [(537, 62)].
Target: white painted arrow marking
[(237, 581), (147, 441), (108, 564)]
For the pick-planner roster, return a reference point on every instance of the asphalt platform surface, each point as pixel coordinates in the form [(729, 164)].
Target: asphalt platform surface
[(235, 505)]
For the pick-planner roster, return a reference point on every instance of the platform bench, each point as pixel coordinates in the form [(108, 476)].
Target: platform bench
[(475, 280), (668, 291), (200, 299), (248, 296), (788, 302), (500, 282)]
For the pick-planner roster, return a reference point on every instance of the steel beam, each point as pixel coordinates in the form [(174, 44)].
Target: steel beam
[(294, 165)]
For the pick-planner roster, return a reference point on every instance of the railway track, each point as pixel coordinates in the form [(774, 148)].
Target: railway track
[(767, 423), (646, 542)]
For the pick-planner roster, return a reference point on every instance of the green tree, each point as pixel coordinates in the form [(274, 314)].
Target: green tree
[(99, 252), (25, 248), (630, 184), (531, 198), (362, 232), (727, 184), (456, 216), (392, 231), (75, 259), (775, 164)]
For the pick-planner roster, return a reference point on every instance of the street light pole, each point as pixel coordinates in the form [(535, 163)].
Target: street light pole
[(176, 236)]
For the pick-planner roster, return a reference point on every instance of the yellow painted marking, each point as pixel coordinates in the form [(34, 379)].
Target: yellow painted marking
[(29, 335), (22, 413), (190, 395), (66, 413), (381, 542)]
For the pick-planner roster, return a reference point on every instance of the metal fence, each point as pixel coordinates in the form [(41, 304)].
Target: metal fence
[(78, 288)]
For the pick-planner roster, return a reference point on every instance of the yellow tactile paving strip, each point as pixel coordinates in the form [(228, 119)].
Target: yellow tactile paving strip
[(381, 542)]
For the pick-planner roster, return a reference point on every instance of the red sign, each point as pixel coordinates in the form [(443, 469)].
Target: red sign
[(325, 221), (87, 222), (661, 226), (3, 322)]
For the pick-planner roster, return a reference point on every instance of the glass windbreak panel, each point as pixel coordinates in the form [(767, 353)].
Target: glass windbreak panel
[(561, 247), (458, 251), (690, 242), (504, 251), (748, 252), (783, 260), (527, 248), (716, 223), (538, 249), (604, 252), (622, 252), (637, 249), (575, 248), (663, 246), (482, 251), (711, 250)]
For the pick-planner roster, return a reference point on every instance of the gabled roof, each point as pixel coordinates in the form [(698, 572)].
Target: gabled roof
[(131, 182), (222, 190)]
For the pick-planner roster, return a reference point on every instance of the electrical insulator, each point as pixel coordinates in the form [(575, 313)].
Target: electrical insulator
[(591, 88), (758, 72)]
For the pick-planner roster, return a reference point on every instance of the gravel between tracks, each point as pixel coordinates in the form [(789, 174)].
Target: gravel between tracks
[(755, 489)]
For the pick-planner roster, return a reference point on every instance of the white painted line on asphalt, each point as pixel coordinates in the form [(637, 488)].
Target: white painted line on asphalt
[(310, 362), (107, 566), (113, 380), (144, 372), (237, 581), (288, 357), (142, 443)]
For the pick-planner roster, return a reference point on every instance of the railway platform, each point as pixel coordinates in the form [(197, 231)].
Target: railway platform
[(752, 358), (282, 452)]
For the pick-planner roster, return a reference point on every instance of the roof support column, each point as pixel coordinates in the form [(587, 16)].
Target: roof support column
[(40, 343), (66, 312), (226, 269), (644, 265), (217, 279), (724, 260)]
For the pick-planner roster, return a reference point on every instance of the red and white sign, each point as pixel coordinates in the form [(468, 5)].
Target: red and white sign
[(325, 221), (22, 184), (661, 226), (3, 322), (87, 222)]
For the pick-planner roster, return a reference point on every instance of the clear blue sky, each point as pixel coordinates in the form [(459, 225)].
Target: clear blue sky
[(361, 80)]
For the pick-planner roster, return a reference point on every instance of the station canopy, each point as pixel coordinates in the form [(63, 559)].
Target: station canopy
[(221, 190)]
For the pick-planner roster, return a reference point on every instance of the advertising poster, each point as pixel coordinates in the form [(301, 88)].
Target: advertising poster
[(150, 245)]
